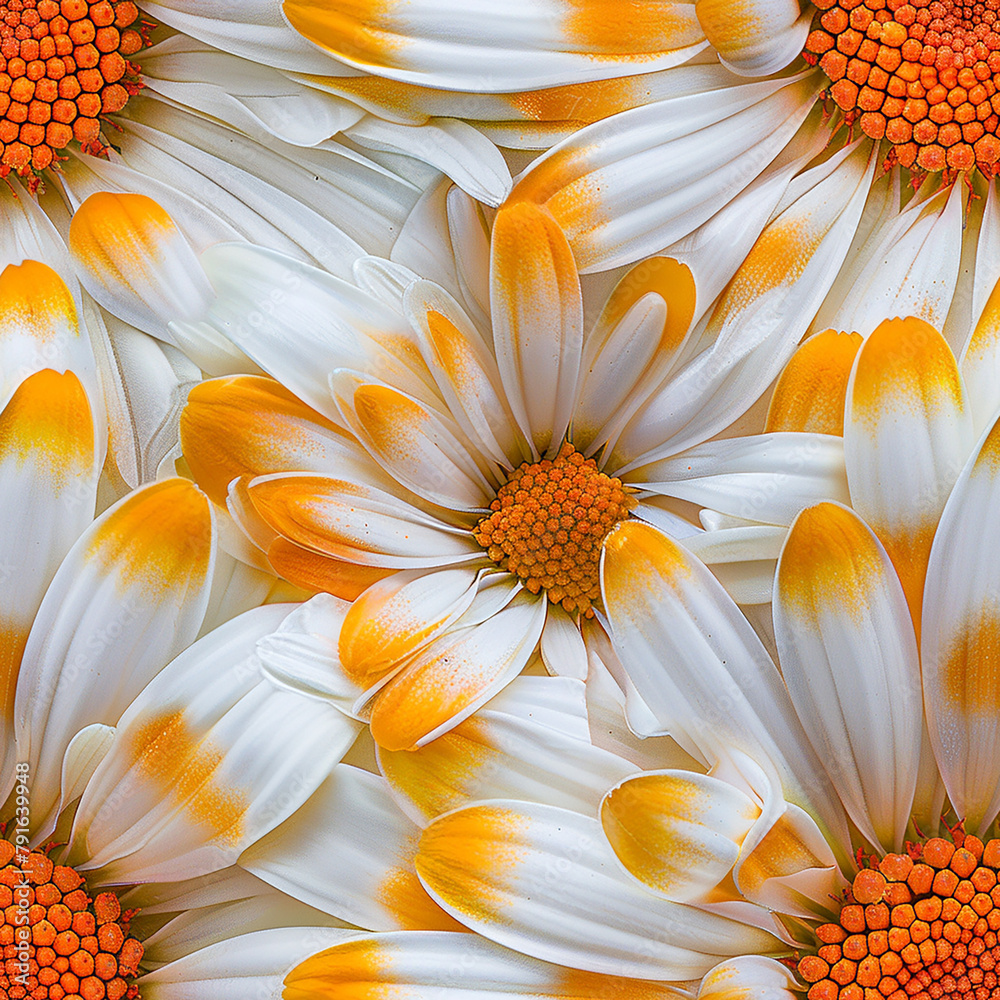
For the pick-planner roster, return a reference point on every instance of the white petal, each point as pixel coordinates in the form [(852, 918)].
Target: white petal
[(250, 965), (419, 447), (515, 45), (767, 477), (544, 881), (530, 743), (703, 672), (960, 650), (129, 596), (199, 771), (636, 182), (299, 324), (907, 433), (349, 852), (537, 311), (764, 310), (358, 523), (849, 658)]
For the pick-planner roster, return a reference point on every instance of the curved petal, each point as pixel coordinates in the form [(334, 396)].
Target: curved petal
[(960, 640), (627, 186), (357, 523), (755, 37), (396, 616), (636, 341), (537, 311), (513, 45), (436, 966), (464, 369), (198, 771), (544, 881), (811, 392), (349, 852), (908, 432), (749, 977), (300, 323), (49, 470), (765, 477), (452, 675), (130, 595), (849, 658), (699, 666), (419, 448), (253, 964), (678, 832), (529, 743), (907, 266), (249, 426), (764, 310), (135, 261)]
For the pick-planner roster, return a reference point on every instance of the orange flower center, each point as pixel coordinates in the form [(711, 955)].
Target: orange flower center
[(923, 74), (62, 66), (58, 942), (548, 523), (924, 929)]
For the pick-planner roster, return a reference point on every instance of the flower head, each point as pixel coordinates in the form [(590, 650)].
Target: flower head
[(467, 451)]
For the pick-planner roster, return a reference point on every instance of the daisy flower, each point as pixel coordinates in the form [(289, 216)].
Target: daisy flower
[(468, 445), (787, 836)]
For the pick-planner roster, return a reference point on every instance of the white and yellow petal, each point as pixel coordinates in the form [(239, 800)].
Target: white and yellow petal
[(436, 966), (129, 596), (49, 469), (544, 881), (517, 45), (530, 743), (908, 431), (420, 447), (537, 309), (348, 851), (636, 182), (766, 307), (811, 392), (849, 658), (678, 832), (755, 37), (189, 786), (960, 640), (250, 426), (357, 523), (698, 665), (453, 674)]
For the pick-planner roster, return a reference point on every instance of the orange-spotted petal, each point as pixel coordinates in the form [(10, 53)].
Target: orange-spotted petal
[(537, 321), (250, 426), (530, 45), (960, 644), (455, 673), (485, 864), (136, 262), (357, 523), (635, 343), (811, 392), (678, 832), (191, 788), (49, 468), (907, 434), (129, 596), (849, 657)]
